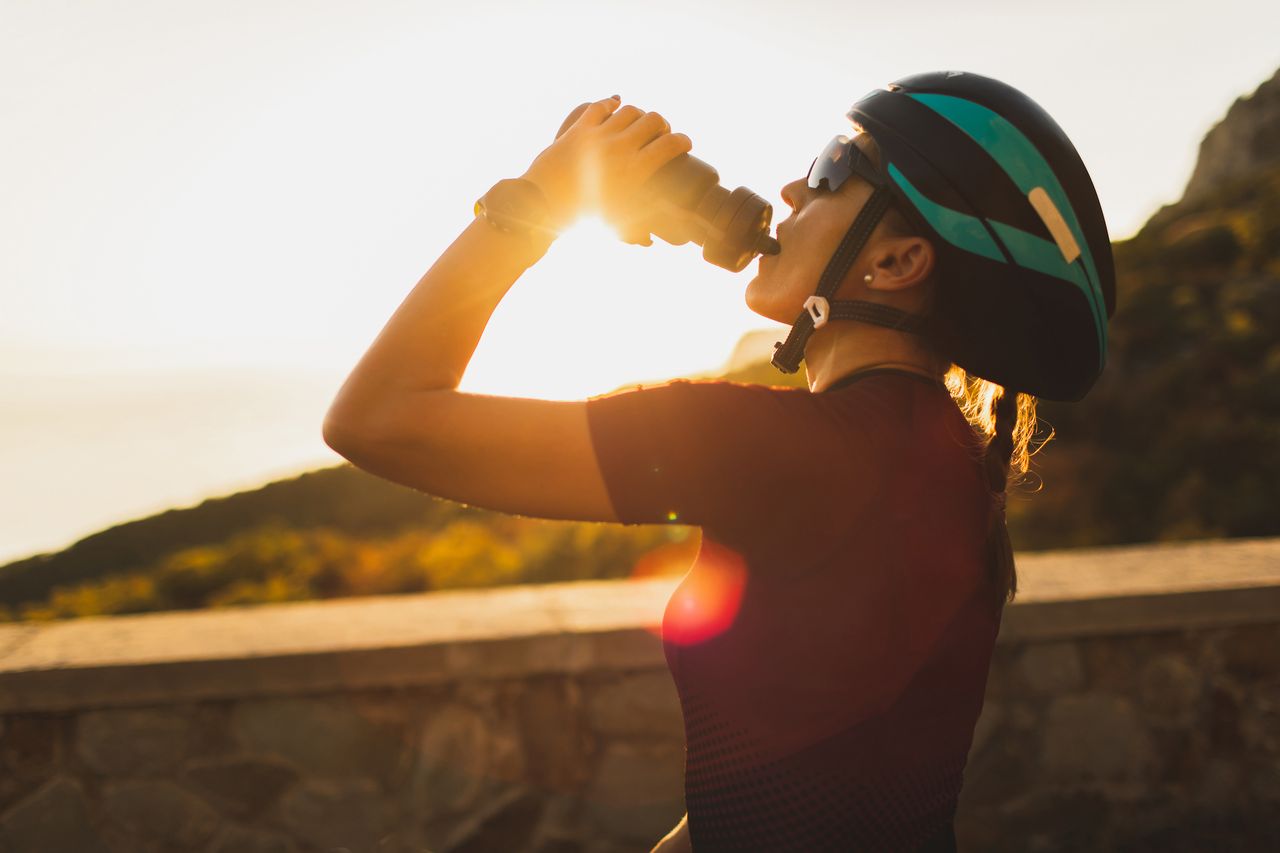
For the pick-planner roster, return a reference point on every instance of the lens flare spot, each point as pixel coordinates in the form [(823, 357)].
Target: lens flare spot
[(672, 515), (707, 601), (672, 559)]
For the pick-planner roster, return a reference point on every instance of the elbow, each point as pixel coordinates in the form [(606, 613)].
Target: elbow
[(340, 432), (390, 424), (335, 435), (348, 424)]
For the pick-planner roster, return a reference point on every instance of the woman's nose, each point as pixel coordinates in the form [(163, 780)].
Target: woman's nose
[(790, 192)]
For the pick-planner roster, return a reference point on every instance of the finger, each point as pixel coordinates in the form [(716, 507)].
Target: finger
[(663, 150), (632, 220), (642, 238), (645, 129), (637, 237), (622, 118), (597, 112)]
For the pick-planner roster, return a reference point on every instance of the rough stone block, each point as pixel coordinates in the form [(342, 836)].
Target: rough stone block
[(642, 704), (554, 733), (1260, 720), (452, 760), (988, 724), (1052, 667), (1223, 726), (1052, 822), (561, 820), (30, 752), (137, 742), (158, 813), (321, 736), (1219, 785), (1003, 771), (1112, 667), (240, 786), (1002, 682), (1264, 786), (1193, 831), (505, 822), (1095, 736), (637, 792), (1252, 652), (335, 813), (240, 839), (54, 819), (557, 845), (1170, 690)]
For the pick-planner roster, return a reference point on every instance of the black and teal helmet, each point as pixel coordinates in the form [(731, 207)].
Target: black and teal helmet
[(1027, 280)]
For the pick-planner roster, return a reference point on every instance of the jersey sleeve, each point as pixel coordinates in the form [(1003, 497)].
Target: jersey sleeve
[(716, 454)]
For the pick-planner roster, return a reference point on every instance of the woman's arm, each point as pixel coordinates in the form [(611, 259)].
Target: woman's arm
[(399, 414), (677, 840)]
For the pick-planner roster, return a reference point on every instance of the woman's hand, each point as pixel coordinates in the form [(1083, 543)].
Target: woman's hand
[(601, 163)]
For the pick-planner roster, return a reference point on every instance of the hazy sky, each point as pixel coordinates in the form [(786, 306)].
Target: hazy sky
[(209, 209)]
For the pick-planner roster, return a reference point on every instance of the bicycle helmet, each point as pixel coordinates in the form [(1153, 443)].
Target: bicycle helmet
[(1026, 280)]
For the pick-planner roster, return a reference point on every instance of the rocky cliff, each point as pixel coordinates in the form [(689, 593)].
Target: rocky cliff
[(1245, 142)]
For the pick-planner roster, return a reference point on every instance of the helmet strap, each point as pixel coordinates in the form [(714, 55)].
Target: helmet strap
[(875, 314), (789, 353)]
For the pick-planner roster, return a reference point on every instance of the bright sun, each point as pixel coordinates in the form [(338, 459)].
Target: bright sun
[(597, 313)]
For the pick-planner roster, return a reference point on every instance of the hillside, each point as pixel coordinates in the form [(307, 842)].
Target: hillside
[(326, 534), (1180, 439), (342, 497)]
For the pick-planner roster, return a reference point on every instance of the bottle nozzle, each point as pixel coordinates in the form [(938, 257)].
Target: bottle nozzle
[(766, 245)]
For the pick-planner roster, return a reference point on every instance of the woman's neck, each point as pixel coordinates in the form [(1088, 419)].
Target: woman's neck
[(843, 348)]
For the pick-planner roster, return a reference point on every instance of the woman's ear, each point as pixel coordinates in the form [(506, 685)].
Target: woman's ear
[(901, 262)]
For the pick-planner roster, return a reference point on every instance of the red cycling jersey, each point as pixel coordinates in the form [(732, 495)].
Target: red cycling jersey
[(831, 642)]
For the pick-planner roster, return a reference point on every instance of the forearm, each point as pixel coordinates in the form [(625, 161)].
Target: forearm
[(677, 840), (429, 340)]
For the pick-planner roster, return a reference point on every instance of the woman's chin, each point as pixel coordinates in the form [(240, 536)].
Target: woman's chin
[(759, 300), (755, 297)]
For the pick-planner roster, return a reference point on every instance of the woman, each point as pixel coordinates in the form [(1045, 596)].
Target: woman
[(831, 643)]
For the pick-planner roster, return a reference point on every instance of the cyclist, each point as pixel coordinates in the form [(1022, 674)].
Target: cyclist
[(944, 265)]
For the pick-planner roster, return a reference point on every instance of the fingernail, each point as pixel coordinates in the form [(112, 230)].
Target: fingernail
[(616, 97)]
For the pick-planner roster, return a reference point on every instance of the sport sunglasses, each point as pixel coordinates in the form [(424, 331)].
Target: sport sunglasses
[(840, 159)]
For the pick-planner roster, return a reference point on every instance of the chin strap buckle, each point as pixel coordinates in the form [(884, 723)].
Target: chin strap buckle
[(819, 310)]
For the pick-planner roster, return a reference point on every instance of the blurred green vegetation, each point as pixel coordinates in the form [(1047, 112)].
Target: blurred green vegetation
[(274, 562)]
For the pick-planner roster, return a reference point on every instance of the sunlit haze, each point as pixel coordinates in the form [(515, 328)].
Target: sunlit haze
[(210, 209)]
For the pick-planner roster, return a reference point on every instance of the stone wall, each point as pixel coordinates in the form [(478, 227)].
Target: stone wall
[(1134, 704)]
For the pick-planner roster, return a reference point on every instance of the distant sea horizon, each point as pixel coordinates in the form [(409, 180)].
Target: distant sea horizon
[(82, 452)]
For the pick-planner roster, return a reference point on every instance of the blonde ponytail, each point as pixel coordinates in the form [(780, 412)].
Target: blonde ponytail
[(1008, 422)]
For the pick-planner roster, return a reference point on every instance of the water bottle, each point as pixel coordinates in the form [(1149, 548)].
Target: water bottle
[(691, 206)]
